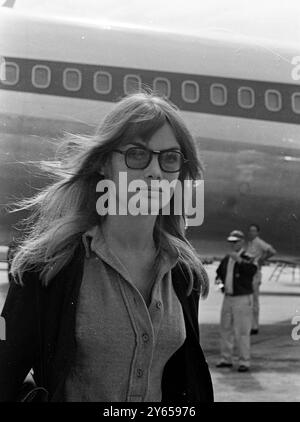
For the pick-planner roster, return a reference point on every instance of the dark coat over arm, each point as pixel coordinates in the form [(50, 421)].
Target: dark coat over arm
[(50, 348)]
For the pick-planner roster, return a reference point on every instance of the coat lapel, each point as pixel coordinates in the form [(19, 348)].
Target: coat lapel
[(180, 283)]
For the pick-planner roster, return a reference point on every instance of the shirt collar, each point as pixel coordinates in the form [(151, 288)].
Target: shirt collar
[(94, 243), (240, 252)]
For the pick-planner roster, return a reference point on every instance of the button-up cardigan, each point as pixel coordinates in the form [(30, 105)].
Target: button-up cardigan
[(40, 334)]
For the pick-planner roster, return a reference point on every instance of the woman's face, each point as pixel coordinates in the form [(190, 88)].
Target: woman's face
[(163, 139)]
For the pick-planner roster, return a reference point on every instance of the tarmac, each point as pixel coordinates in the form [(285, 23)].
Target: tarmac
[(275, 355)]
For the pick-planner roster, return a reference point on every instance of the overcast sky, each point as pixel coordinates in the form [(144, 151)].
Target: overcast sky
[(275, 20)]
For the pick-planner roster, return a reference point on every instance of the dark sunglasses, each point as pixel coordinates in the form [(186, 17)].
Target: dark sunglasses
[(138, 158)]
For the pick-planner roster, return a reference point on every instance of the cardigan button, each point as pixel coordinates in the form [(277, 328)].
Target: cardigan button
[(145, 338), (139, 372)]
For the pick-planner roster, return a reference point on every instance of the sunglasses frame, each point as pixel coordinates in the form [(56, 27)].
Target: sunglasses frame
[(184, 160)]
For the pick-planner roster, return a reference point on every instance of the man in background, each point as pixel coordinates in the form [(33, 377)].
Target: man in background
[(235, 275), (260, 251)]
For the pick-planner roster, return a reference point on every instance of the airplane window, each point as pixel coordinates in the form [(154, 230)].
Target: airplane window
[(162, 86), (218, 94), (102, 82), (11, 73), (246, 97), (132, 83), (296, 102), (72, 79), (190, 91), (40, 76), (273, 101)]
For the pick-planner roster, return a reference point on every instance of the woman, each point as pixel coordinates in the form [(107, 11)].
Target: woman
[(106, 306)]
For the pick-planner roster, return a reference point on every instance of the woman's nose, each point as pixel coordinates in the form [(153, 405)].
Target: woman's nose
[(153, 168)]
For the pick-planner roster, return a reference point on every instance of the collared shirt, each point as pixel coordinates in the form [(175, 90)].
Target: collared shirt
[(229, 275), (122, 345), (257, 247)]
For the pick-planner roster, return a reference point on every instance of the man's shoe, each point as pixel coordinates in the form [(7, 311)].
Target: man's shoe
[(243, 368), (254, 331), (224, 365)]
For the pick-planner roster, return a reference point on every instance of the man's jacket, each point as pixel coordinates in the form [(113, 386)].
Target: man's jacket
[(242, 274), (40, 334)]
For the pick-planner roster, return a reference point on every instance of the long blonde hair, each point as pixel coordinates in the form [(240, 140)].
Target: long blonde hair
[(63, 211)]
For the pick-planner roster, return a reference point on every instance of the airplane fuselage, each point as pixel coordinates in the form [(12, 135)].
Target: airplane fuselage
[(239, 100)]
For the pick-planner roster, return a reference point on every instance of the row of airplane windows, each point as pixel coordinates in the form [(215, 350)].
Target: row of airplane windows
[(190, 90)]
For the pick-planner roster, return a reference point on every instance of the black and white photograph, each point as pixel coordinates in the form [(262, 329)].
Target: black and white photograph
[(149, 204)]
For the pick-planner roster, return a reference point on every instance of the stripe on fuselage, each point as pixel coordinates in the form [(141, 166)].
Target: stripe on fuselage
[(204, 105)]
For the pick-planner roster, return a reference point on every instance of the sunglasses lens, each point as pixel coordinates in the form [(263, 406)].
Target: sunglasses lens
[(171, 161), (137, 158)]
